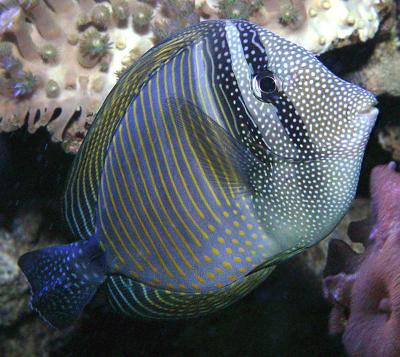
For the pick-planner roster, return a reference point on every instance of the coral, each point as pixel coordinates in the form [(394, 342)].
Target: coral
[(142, 17), (120, 10), (49, 53), (289, 14), (170, 19), (93, 46), (317, 25), (364, 288), (238, 9), (58, 61), (101, 16)]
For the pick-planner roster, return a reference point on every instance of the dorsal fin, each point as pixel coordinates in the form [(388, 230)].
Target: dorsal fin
[(82, 188)]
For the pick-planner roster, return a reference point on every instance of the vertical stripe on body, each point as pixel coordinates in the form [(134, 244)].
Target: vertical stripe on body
[(170, 215)]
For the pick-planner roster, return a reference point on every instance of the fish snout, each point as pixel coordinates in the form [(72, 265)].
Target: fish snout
[(368, 114)]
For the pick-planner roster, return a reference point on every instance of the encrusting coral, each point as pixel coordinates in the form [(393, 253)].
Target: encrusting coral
[(60, 58), (313, 24), (364, 289)]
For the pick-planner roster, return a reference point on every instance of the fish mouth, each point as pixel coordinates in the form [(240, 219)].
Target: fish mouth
[(369, 114)]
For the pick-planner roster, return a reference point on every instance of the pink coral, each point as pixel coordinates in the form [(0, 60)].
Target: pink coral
[(365, 288)]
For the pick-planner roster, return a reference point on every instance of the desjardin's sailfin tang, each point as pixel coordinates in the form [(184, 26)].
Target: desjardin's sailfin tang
[(63, 279)]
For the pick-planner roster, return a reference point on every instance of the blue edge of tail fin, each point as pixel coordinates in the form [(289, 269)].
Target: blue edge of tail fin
[(63, 279)]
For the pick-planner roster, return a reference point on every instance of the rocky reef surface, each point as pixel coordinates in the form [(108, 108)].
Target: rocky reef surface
[(40, 91), (363, 286)]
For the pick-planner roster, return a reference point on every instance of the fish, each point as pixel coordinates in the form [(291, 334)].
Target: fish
[(221, 152)]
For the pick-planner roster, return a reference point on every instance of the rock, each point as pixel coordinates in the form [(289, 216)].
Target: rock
[(22, 333)]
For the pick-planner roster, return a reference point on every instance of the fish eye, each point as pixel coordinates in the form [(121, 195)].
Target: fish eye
[(265, 85)]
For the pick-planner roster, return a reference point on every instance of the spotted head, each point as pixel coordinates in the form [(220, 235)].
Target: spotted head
[(286, 101), (307, 126)]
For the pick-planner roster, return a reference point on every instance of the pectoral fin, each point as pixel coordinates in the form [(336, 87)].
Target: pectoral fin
[(222, 156)]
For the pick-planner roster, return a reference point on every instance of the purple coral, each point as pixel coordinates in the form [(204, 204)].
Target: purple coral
[(365, 288)]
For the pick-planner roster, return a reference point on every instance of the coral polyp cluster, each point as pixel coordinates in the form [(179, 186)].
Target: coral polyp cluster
[(238, 9), (60, 58), (314, 24)]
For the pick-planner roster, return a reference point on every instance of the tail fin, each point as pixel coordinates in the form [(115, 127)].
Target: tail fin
[(63, 279)]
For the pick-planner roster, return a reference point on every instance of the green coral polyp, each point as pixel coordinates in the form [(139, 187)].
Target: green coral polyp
[(289, 15), (120, 10), (101, 16), (231, 9), (5, 49), (92, 47), (142, 17), (52, 89), (24, 85), (49, 53), (10, 64)]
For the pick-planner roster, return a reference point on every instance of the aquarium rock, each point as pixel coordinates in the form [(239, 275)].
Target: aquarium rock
[(313, 260), (364, 287), (13, 287), (389, 138), (381, 74)]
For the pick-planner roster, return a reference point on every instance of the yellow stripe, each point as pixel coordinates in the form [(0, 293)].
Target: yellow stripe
[(133, 180), (110, 219), (192, 149), (200, 91), (168, 168), (127, 214), (182, 150), (216, 115), (201, 214), (134, 115), (122, 260), (128, 192), (161, 174), (155, 188)]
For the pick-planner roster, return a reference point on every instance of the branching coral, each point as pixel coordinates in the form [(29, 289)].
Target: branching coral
[(365, 288)]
